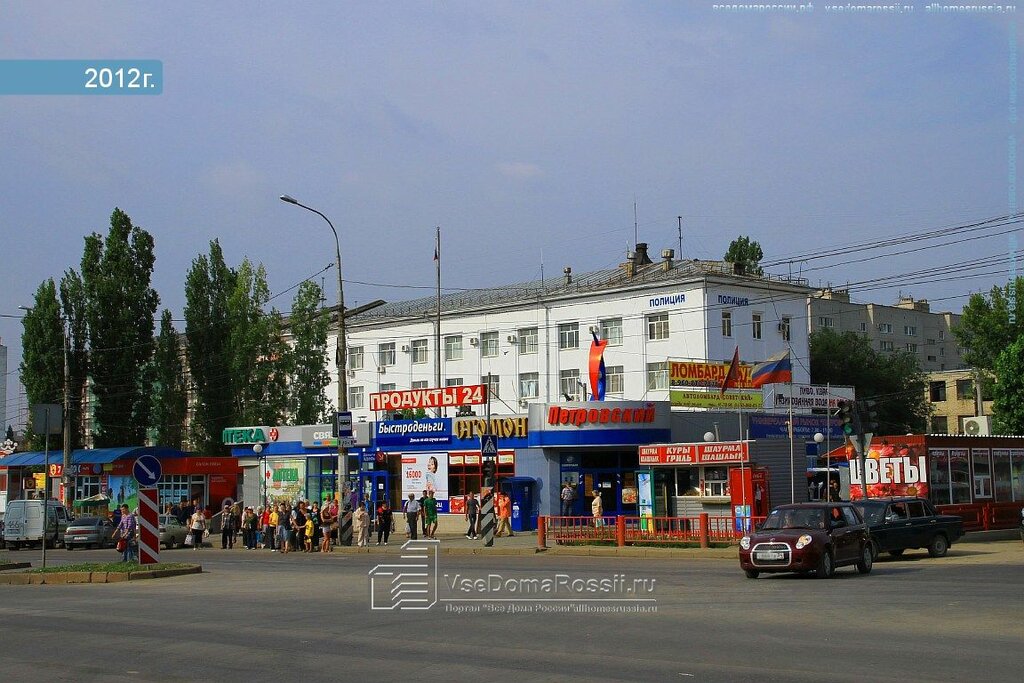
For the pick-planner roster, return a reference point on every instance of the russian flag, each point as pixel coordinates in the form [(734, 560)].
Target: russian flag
[(775, 370)]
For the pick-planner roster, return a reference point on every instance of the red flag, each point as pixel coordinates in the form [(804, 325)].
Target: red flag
[(734, 371)]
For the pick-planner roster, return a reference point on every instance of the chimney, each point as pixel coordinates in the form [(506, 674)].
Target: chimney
[(568, 274), (641, 258), (667, 255)]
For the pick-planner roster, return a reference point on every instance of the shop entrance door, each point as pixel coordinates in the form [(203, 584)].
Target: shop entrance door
[(373, 488), (610, 484)]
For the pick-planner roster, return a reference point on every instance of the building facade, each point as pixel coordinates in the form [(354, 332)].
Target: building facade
[(953, 398)]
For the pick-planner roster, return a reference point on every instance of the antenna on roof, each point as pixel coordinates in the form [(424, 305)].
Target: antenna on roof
[(636, 225)]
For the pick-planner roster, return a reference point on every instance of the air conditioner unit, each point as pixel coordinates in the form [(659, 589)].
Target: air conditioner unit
[(473, 341), (523, 403), (512, 339), (351, 373), (405, 348), (978, 426), (382, 369)]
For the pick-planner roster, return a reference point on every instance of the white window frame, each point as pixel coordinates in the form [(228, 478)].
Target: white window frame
[(826, 322), (386, 352), (611, 331), (785, 328), (388, 386), (527, 337), (421, 384), (615, 380), (529, 385), (756, 325), (356, 398), (355, 358), (493, 386), (453, 382), (420, 351), (568, 336), (569, 384), (657, 376), (453, 347), (489, 344), (727, 324), (910, 330), (657, 326)]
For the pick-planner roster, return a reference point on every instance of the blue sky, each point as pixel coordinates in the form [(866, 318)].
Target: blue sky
[(525, 130)]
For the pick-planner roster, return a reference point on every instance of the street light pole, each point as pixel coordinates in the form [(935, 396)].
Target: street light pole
[(341, 354)]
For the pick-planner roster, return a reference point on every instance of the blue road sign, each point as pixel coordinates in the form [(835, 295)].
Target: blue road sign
[(489, 446), (147, 470)]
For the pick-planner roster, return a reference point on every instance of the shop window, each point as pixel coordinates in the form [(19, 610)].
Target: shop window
[(419, 350), (657, 326), (86, 487), (1002, 485), (716, 481), (569, 336), (453, 347), (355, 358), (938, 477), (527, 340), (686, 482), (465, 478), (982, 473), (489, 344), (611, 331), (172, 488), (959, 477), (614, 380), (937, 392), (657, 376), (755, 325)]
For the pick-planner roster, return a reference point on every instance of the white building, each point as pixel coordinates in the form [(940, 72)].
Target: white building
[(533, 338)]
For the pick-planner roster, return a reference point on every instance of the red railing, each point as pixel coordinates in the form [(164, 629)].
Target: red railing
[(985, 516), (703, 529)]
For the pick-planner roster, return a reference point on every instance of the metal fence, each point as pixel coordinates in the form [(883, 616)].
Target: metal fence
[(624, 530)]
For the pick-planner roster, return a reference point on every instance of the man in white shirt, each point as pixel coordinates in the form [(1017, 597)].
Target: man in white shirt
[(412, 513)]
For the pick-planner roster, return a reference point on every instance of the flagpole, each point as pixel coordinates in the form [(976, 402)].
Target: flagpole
[(792, 454), (437, 320)]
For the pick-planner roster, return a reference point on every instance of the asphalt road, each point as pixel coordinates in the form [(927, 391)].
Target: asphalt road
[(261, 616)]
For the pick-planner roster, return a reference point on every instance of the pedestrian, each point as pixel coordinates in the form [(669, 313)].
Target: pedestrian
[(412, 514), (126, 529), (236, 520), (423, 518), (383, 521), (251, 525), (430, 515), (597, 509), (197, 524), (227, 528), (472, 515), (360, 525), (298, 535), (307, 541), (317, 516), (270, 528), (334, 509), (325, 528), (568, 497), (503, 510), (283, 528)]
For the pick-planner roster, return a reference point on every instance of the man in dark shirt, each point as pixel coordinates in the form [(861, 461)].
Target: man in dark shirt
[(472, 513), (423, 519)]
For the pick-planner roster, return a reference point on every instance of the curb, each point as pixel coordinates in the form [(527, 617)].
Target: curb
[(64, 578), (14, 565)]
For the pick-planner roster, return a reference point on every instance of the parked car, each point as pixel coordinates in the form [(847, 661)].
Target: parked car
[(808, 538), (899, 524), (89, 532), (23, 523), (172, 532)]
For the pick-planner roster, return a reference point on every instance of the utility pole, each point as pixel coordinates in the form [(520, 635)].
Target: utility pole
[(437, 318), (65, 472)]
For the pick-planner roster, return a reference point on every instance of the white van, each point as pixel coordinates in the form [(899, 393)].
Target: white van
[(23, 523)]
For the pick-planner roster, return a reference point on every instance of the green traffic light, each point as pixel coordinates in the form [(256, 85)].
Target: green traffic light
[(848, 429)]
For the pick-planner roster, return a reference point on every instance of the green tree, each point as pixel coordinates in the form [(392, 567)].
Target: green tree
[(895, 381), (169, 391), (308, 378), (984, 330), (746, 255), (1008, 391), (73, 305), (120, 305), (42, 353), (208, 286)]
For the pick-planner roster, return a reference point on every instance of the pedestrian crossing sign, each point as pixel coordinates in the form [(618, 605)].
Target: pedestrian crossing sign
[(489, 446)]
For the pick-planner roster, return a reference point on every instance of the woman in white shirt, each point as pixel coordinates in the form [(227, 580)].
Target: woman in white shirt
[(197, 524)]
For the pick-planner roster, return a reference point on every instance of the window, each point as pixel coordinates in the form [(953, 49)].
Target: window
[(453, 347), (940, 424), (86, 487), (527, 340), (465, 472), (784, 328), (965, 390), (911, 348), (356, 398), (529, 385), (388, 386), (826, 321), (611, 331), (886, 346), (453, 382), (755, 325), (569, 384), (492, 385), (569, 336), (716, 481), (942, 350), (657, 326), (421, 384), (936, 392), (885, 328), (932, 359), (173, 487), (355, 358), (863, 327), (942, 335), (613, 379), (657, 376), (910, 330), (489, 344), (419, 350), (386, 354), (726, 323), (982, 473)]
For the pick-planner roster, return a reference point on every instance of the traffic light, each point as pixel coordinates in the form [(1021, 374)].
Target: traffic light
[(847, 416), (488, 473), (869, 416)]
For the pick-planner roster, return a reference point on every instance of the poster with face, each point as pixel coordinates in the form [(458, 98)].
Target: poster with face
[(426, 472)]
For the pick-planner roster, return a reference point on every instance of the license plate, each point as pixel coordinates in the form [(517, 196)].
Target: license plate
[(80, 538), (771, 555)]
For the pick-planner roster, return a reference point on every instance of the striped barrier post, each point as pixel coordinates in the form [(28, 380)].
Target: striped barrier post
[(345, 532), (149, 526), (487, 519)]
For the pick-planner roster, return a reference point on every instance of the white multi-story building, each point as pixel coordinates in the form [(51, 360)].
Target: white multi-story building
[(532, 339)]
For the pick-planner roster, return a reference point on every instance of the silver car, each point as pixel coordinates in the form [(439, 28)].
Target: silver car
[(172, 532), (89, 532)]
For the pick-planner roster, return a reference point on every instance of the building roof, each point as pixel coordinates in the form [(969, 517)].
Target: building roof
[(593, 282), (89, 455)]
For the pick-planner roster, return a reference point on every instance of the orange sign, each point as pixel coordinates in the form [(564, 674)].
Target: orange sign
[(695, 453), (700, 374)]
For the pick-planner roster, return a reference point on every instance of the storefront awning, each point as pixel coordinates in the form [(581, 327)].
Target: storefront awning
[(91, 456)]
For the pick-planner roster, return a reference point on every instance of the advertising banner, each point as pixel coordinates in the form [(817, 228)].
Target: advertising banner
[(804, 427), (710, 399), (890, 470), (122, 490), (694, 373), (287, 480), (401, 433), (426, 472), (695, 453), (807, 396), (474, 394)]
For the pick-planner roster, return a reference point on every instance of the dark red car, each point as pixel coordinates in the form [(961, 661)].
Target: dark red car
[(808, 538)]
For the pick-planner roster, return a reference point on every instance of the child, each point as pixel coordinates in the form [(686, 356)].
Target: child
[(309, 534)]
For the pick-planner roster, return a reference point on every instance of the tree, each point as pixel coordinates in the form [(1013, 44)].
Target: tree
[(984, 330), (208, 285), (895, 381), (308, 378), (73, 305), (42, 353), (1008, 392), (169, 391), (745, 254), (120, 305)]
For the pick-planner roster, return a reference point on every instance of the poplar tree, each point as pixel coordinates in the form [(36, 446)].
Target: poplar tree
[(309, 379), (169, 391), (42, 354)]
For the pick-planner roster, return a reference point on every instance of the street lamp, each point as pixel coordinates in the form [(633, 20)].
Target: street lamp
[(818, 438), (258, 450), (341, 359)]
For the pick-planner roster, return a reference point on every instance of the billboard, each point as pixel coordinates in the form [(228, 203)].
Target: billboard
[(695, 453), (474, 394), (807, 396), (401, 433), (426, 472), (736, 400), (693, 373)]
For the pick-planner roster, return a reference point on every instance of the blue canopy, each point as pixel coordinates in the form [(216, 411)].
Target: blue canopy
[(98, 456)]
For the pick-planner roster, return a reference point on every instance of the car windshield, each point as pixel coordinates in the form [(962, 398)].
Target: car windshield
[(873, 514), (167, 519), (86, 521), (796, 518)]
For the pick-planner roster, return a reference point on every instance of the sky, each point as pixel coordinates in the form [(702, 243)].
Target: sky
[(527, 131)]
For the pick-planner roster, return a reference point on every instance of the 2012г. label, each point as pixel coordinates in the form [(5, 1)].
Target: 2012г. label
[(115, 78)]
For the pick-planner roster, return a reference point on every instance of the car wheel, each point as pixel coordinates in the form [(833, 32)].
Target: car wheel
[(867, 559), (751, 573), (874, 551), (826, 567), (938, 546), (69, 547), (896, 553)]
